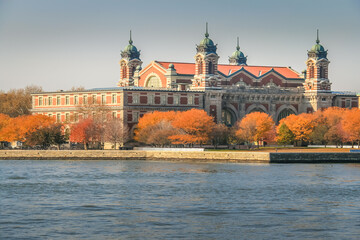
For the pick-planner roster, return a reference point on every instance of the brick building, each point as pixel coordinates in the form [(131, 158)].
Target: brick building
[(226, 91)]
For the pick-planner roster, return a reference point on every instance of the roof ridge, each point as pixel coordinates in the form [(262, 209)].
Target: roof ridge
[(173, 62)]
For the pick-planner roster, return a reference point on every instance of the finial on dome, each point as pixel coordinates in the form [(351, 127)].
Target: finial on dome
[(317, 36), (238, 47), (130, 41), (206, 34)]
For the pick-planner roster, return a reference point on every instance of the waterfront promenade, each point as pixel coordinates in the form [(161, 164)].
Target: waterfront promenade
[(206, 156)]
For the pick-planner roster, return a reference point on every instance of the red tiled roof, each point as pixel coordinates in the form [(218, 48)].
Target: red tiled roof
[(181, 68), (189, 68)]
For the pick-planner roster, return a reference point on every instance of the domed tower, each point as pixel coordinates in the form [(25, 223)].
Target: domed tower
[(206, 61), (316, 77), (130, 63), (317, 85), (238, 57)]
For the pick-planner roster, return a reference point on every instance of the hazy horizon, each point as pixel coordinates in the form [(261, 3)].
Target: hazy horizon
[(61, 44)]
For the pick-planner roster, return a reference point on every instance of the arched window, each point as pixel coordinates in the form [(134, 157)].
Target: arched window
[(311, 74), (211, 68), (200, 67), (124, 72), (322, 72), (153, 82), (257, 109), (284, 113), (228, 117)]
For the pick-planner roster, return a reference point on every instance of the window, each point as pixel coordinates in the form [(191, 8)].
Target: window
[(58, 100), (150, 99), (67, 100), (76, 117), (135, 99), (163, 99), (67, 117), (153, 82), (113, 98), (190, 100), (50, 100), (135, 116), (40, 101), (323, 99), (348, 104), (50, 115), (103, 99), (85, 99), (93, 98), (176, 100), (76, 100), (114, 115), (58, 117)]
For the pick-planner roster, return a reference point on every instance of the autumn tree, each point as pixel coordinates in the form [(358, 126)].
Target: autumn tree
[(84, 132), (256, 127), (351, 125), (47, 136), (219, 134), (116, 132), (17, 102), (20, 127), (301, 126), (149, 123), (284, 134), (196, 126)]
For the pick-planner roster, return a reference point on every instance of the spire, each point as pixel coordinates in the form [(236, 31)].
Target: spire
[(317, 36), (206, 34), (130, 41), (238, 47)]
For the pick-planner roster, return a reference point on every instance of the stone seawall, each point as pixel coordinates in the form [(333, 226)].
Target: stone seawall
[(315, 157), (134, 155), (207, 156)]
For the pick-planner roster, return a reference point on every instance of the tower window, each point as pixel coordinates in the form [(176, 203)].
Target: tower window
[(200, 68), (211, 68)]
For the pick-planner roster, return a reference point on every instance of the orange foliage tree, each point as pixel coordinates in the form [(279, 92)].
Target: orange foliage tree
[(301, 126), (18, 128), (85, 131), (196, 126), (351, 125), (256, 127), (162, 128)]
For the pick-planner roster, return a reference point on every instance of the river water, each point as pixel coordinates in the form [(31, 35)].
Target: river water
[(167, 200)]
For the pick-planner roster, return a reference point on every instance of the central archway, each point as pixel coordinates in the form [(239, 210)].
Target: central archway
[(228, 117)]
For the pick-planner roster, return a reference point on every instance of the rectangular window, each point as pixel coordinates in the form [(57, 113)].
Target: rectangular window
[(151, 99), (191, 100), (76, 117), (85, 99), (49, 101), (50, 115), (67, 117), (58, 100), (135, 117), (67, 100), (40, 101), (76, 100), (347, 104), (176, 100), (163, 99), (113, 98), (94, 99), (58, 117), (114, 115), (103, 99), (135, 99)]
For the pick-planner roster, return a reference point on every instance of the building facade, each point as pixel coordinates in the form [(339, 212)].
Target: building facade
[(225, 91)]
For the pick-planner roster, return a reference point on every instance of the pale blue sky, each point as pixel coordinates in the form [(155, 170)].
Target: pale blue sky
[(65, 43)]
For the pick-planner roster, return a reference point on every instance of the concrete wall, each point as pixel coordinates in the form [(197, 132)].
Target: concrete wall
[(135, 155), (207, 156)]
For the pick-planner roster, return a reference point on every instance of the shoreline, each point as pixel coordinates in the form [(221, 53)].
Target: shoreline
[(184, 156)]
